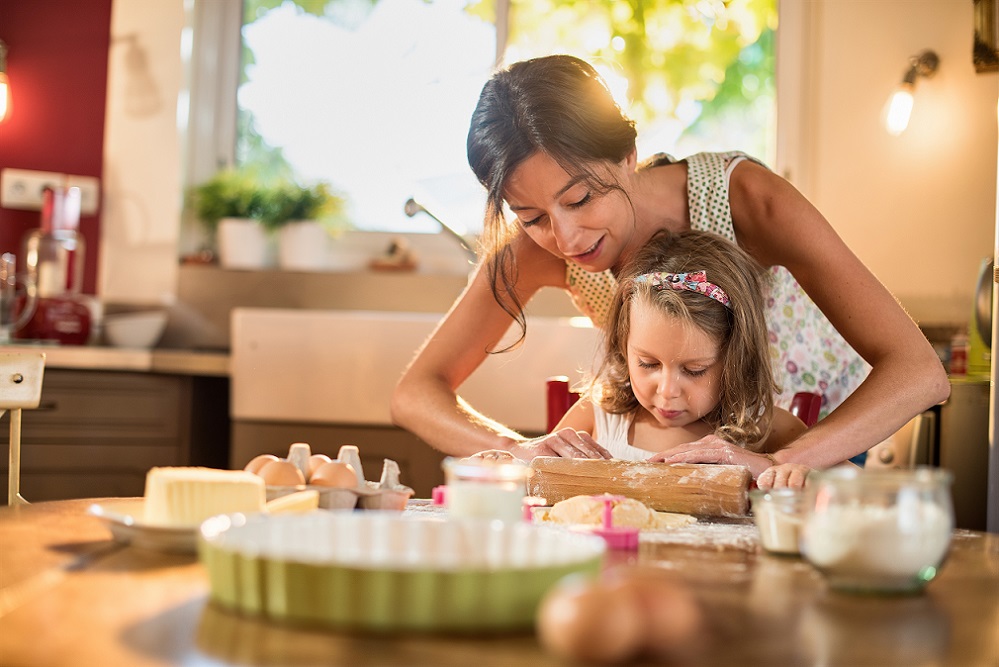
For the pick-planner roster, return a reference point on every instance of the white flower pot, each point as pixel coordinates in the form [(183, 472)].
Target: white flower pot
[(303, 245), (243, 244)]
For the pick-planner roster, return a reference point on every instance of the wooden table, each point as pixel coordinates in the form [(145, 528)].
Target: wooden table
[(70, 596)]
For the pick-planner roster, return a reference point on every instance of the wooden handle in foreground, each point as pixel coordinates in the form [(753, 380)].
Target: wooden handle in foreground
[(690, 488)]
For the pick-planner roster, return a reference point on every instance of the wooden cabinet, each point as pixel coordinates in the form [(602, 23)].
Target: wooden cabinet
[(97, 433)]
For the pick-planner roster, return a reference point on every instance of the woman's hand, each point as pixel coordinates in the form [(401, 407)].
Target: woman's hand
[(565, 442), (791, 475), (497, 455), (712, 449)]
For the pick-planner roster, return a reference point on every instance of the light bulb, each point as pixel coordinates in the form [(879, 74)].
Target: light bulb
[(4, 83), (899, 110), (4, 95)]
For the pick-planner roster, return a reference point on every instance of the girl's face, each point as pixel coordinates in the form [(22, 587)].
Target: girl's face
[(675, 367), (567, 218)]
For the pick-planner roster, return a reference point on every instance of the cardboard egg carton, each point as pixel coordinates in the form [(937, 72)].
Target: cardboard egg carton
[(386, 494)]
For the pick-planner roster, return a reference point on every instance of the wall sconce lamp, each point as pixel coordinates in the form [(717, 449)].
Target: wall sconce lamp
[(4, 83), (900, 104)]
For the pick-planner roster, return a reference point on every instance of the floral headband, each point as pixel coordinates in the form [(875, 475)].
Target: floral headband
[(694, 281)]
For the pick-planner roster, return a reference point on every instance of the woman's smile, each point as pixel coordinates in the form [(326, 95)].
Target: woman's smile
[(588, 256)]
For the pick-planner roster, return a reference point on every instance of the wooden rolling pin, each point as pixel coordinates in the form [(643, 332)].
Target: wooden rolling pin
[(689, 488)]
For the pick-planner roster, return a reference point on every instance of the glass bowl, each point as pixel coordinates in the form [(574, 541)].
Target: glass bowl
[(878, 530)]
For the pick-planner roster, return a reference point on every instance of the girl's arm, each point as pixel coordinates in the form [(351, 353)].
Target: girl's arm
[(777, 225), (425, 401)]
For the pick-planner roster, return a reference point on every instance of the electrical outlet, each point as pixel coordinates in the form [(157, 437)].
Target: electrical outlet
[(90, 188), (22, 189)]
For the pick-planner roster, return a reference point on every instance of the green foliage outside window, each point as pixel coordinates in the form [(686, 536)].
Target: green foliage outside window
[(702, 69)]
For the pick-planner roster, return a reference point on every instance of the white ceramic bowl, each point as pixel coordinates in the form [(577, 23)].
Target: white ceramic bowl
[(138, 330)]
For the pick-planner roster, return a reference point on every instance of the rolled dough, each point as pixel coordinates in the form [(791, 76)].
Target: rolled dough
[(589, 511)]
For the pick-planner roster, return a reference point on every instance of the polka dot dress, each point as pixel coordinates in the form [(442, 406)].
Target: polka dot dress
[(807, 351)]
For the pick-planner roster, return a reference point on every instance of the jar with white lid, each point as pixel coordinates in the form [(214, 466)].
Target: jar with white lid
[(882, 530), (486, 489)]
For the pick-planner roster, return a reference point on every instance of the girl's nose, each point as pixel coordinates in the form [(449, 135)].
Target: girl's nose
[(669, 384)]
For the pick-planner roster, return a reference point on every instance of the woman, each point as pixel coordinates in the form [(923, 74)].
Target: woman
[(548, 141)]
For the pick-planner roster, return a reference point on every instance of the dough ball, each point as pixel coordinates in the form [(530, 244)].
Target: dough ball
[(589, 511)]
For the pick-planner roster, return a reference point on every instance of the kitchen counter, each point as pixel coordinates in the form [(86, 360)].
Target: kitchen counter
[(107, 415), (70, 596), (99, 358)]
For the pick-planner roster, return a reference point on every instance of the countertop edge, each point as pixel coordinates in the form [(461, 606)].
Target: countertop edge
[(96, 358)]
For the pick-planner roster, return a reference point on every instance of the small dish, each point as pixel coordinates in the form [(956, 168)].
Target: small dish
[(139, 330), (125, 520), (779, 514)]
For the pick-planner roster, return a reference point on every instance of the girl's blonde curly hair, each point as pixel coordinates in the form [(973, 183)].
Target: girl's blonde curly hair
[(744, 412)]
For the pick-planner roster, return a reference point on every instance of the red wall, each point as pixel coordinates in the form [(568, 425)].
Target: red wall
[(57, 62)]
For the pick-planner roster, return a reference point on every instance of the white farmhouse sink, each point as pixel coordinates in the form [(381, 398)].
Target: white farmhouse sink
[(337, 366)]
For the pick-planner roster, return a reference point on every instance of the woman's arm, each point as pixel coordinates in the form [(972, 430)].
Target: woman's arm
[(425, 400), (786, 427), (777, 225)]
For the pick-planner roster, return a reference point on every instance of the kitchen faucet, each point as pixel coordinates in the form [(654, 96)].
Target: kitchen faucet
[(413, 207)]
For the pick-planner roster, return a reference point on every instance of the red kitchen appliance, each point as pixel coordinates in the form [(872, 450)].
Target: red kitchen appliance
[(54, 263)]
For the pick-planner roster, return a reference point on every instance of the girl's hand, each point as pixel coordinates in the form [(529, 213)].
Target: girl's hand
[(712, 449), (790, 475), (565, 442)]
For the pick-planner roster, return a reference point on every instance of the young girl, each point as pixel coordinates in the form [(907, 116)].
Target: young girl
[(687, 356)]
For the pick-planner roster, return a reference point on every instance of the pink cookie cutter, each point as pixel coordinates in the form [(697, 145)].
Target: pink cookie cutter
[(619, 538)]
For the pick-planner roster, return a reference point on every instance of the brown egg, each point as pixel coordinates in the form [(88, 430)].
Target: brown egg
[(315, 461), (336, 474), (281, 473), (584, 620), (258, 462), (673, 619)]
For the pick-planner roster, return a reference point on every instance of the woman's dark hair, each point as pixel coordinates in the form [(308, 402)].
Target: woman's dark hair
[(557, 105)]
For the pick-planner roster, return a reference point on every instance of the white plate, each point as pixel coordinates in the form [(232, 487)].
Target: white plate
[(125, 519)]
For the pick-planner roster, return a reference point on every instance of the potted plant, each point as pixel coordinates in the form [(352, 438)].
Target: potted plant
[(231, 205), (303, 217)]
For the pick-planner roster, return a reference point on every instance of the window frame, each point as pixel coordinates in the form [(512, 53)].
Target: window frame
[(215, 66)]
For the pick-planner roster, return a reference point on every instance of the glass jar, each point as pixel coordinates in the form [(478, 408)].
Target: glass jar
[(486, 489), (779, 514), (878, 530)]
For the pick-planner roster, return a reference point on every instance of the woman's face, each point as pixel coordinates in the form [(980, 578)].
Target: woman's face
[(675, 367), (566, 217)]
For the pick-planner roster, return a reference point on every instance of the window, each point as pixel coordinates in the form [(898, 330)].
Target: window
[(374, 96)]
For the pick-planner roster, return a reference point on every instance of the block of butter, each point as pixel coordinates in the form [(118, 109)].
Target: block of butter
[(186, 496)]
